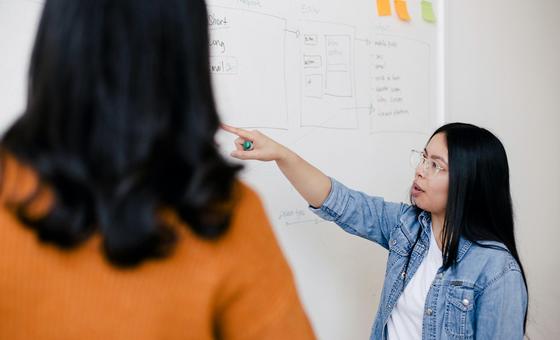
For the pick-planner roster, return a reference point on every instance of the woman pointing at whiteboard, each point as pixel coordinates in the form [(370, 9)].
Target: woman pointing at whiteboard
[(453, 270)]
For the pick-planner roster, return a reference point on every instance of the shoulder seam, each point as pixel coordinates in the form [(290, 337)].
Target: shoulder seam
[(509, 268)]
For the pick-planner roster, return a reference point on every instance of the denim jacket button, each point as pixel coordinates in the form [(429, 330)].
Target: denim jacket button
[(393, 243), (465, 302), (429, 311)]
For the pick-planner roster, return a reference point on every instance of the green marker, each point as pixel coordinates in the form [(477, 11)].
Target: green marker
[(247, 145)]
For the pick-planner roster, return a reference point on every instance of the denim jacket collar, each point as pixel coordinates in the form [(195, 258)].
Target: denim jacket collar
[(425, 219)]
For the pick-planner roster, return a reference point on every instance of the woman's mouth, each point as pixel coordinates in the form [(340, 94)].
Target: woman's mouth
[(416, 190)]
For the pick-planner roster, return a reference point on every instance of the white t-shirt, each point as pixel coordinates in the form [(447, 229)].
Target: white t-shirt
[(405, 322)]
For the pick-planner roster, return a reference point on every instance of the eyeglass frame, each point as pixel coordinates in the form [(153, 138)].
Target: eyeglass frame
[(423, 161)]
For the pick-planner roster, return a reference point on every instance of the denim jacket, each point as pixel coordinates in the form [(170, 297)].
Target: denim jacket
[(482, 296)]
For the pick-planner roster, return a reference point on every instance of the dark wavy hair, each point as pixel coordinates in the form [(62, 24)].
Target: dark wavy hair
[(479, 206), (120, 123)]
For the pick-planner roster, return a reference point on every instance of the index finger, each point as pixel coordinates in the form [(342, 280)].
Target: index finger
[(237, 131)]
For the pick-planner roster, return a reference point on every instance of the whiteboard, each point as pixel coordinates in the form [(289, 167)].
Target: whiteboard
[(348, 90), (352, 93)]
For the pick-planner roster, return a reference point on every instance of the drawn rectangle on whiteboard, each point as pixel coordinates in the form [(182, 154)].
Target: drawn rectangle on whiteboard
[(338, 50), (335, 107), (311, 39), (401, 85), (248, 67), (314, 85), (339, 79), (338, 84), (312, 61)]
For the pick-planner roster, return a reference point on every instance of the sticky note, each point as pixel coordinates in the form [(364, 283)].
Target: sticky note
[(402, 10), (383, 7), (428, 11)]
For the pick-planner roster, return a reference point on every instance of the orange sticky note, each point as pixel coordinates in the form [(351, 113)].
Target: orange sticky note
[(383, 8), (402, 10)]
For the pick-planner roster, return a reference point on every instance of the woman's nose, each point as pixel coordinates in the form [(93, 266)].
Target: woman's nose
[(419, 171)]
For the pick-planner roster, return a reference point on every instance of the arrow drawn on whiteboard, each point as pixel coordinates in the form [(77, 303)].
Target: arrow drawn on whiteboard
[(297, 33), (370, 108), (366, 41)]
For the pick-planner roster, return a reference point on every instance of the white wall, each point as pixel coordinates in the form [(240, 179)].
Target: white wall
[(17, 31), (503, 73)]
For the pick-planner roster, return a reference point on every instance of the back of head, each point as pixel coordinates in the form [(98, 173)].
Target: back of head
[(120, 122)]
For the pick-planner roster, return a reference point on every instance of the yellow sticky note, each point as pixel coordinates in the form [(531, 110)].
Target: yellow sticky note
[(402, 10), (383, 8), (428, 11)]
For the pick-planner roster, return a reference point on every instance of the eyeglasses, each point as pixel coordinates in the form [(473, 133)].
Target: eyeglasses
[(428, 166)]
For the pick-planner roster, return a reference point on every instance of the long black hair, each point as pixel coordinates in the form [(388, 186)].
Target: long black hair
[(120, 123), (479, 206)]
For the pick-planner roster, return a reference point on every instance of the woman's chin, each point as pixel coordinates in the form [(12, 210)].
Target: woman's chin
[(418, 202)]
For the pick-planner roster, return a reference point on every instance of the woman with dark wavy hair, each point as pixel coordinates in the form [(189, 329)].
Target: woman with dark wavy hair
[(453, 270), (119, 219)]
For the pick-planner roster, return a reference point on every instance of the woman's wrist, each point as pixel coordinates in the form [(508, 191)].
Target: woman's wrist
[(285, 155)]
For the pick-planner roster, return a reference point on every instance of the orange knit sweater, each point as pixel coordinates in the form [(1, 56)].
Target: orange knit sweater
[(238, 287)]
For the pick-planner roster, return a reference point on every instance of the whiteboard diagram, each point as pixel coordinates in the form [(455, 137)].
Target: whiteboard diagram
[(328, 82), (247, 61)]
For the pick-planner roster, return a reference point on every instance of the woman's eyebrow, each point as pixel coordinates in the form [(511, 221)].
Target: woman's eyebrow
[(434, 156)]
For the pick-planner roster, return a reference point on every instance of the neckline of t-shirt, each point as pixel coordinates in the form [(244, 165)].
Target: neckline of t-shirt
[(433, 241)]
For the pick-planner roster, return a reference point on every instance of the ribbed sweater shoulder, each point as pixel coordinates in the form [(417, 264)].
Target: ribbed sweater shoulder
[(236, 287)]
